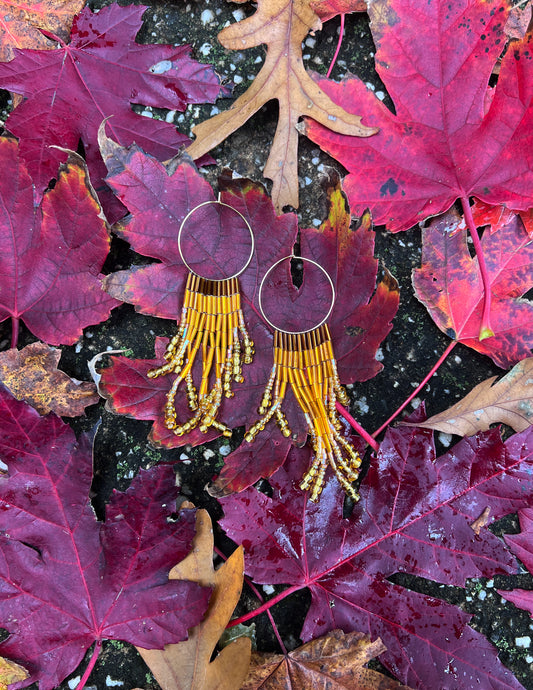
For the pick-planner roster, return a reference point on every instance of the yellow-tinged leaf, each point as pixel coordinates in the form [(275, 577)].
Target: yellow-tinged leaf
[(10, 672), (186, 665), (282, 25), (31, 374), (336, 661), (21, 23), (509, 401)]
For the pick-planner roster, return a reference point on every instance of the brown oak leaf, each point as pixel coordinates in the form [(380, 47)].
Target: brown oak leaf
[(186, 665), (282, 25), (509, 401), (335, 661), (31, 374)]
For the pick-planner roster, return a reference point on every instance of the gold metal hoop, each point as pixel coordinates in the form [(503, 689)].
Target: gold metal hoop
[(260, 297), (220, 203)]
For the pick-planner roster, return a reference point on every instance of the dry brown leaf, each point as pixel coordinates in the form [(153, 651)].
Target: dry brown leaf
[(31, 374), (282, 25), (481, 521), (10, 672), (519, 20), (20, 23), (326, 9), (335, 661), (186, 665), (509, 401)]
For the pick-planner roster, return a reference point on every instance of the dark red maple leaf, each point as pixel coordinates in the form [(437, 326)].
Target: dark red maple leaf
[(100, 73), (159, 197), (414, 517), (449, 285), (67, 580), (522, 546), (451, 136), (50, 264)]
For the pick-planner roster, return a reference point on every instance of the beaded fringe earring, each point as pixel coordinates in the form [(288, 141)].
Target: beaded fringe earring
[(212, 324), (304, 360)]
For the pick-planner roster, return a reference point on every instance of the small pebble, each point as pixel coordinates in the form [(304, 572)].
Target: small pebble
[(207, 17)]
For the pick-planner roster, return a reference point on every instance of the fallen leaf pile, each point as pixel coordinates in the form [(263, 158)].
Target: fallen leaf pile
[(79, 167)]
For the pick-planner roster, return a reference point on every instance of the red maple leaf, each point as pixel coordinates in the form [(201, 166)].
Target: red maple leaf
[(498, 216), (100, 73), (67, 580), (449, 285), (522, 546), (159, 197), (414, 517), (451, 136), (50, 266)]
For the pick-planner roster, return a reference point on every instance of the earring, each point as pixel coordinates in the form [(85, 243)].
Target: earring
[(304, 360), (211, 326)]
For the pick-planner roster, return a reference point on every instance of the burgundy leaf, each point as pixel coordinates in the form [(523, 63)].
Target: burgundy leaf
[(522, 546), (50, 267), (67, 580), (100, 73), (414, 516)]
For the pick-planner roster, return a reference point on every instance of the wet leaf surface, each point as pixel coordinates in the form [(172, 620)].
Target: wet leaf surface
[(99, 74), (67, 580), (446, 139), (414, 517), (450, 287), (50, 268), (282, 25)]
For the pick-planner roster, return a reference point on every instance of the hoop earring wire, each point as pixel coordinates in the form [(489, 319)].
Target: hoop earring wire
[(304, 362), (219, 203), (211, 328)]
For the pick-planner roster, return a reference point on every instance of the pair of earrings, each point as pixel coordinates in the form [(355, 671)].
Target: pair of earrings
[(212, 326)]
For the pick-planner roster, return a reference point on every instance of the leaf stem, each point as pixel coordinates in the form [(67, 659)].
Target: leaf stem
[(264, 607), (14, 331), (417, 390), (355, 425), (485, 331), (261, 599), (339, 43), (92, 662)]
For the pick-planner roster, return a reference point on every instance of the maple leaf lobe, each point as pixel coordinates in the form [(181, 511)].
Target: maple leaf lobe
[(282, 25)]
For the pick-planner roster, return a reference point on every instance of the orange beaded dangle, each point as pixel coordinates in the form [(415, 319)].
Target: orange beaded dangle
[(304, 360), (212, 324)]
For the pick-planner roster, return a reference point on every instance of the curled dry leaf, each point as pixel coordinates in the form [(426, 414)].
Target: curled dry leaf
[(509, 401), (21, 23), (10, 672), (336, 660), (187, 665), (282, 25), (31, 374)]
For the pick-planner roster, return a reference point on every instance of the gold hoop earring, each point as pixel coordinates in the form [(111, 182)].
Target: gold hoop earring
[(304, 360), (212, 324)]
